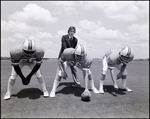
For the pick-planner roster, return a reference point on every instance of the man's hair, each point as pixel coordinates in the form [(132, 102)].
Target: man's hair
[(72, 28)]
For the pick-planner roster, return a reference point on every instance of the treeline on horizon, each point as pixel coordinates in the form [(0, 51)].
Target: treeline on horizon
[(8, 58)]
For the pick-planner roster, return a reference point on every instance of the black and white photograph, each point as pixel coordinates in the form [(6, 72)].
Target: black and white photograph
[(75, 59)]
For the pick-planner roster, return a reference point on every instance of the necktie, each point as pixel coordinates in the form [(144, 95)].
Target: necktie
[(71, 39)]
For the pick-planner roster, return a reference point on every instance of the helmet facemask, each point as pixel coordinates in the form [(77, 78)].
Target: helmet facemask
[(123, 58), (125, 53), (28, 53), (80, 53), (80, 57)]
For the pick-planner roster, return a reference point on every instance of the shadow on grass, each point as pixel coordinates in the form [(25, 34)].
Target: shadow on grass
[(31, 93), (71, 88), (111, 90)]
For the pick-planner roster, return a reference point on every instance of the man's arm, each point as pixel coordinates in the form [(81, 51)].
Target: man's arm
[(34, 70), (86, 70), (62, 68), (85, 75), (121, 71), (63, 43), (19, 72), (39, 59), (75, 43)]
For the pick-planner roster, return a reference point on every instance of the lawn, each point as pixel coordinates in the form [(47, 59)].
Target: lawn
[(28, 101)]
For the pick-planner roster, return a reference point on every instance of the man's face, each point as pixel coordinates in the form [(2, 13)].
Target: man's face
[(71, 33)]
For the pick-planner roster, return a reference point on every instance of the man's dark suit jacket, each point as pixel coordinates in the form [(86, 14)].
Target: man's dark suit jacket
[(67, 43)]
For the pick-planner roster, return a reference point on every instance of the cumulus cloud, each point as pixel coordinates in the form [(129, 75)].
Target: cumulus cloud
[(44, 35), (103, 33), (35, 13), (60, 33), (19, 31), (143, 7), (13, 31), (87, 25), (97, 31), (97, 37), (41, 37), (19, 36), (139, 33), (100, 25), (15, 26), (65, 7), (94, 31), (125, 11), (138, 29)]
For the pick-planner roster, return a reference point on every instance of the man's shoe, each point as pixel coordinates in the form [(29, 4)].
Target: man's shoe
[(76, 81), (7, 96), (52, 94), (126, 89), (101, 91), (45, 93), (116, 87), (95, 90)]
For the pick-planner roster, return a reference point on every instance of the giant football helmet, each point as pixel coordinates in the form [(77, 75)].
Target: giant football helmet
[(126, 53), (28, 48), (80, 52)]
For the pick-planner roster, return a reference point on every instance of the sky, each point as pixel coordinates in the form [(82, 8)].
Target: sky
[(100, 25)]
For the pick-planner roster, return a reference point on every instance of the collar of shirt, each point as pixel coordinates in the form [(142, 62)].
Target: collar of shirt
[(70, 37)]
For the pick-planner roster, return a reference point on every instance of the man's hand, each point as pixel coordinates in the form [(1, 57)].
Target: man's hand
[(24, 81), (19, 72), (121, 71), (28, 78), (119, 76), (71, 63), (63, 74)]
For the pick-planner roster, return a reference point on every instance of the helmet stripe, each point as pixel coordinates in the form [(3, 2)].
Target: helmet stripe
[(82, 50), (129, 52), (29, 45)]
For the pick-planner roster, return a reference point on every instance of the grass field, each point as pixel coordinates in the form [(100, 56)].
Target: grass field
[(28, 101)]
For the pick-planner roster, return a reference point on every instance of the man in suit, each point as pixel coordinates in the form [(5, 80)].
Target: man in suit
[(69, 41)]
